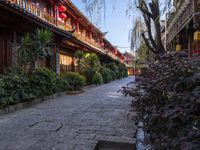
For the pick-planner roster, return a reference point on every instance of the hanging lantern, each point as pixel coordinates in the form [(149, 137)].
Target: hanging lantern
[(197, 36), (62, 8), (178, 47), (62, 16), (116, 53)]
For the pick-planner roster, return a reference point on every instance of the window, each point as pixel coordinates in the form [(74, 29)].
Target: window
[(65, 60), (66, 63)]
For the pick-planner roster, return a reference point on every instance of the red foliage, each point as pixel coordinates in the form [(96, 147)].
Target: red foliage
[(167, 98)]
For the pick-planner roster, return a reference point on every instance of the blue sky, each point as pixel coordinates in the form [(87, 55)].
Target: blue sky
[(116, 22)]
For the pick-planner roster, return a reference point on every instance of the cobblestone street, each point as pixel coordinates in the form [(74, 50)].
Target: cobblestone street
[(75, 122)]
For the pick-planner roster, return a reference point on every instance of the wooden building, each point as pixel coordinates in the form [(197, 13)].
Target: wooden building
[(130, 63), (72, 31), (182, 30)]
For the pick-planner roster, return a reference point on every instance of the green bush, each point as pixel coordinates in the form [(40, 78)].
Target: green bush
[(123, 72), (2, 93), (119, 70), (14, 88), (43, 82), (97, 79), (74, 80), (91, 65), (115, 70), (79, 57), (92, 60), (62, 85), (89, 73), (106, 74), (113, 74), (18, 86)]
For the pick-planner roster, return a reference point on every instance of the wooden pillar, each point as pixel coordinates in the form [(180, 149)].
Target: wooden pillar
[(77, 26), (189, 45), (73, 64), (57, 60), (14, 52), (56, 14), (90, 35)]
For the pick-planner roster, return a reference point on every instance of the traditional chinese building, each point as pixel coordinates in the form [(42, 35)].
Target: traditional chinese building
[(130, 63), (72, 31), (182, 31)]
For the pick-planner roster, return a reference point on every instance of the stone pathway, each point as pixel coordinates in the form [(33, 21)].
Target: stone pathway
[(71, 122)]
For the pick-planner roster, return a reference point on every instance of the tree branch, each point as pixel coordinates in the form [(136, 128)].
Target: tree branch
[(147, 20), (148, 44)]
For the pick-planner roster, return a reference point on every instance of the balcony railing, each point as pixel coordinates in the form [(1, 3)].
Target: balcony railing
[(45, 16), (178, 7), (180, 18), (35, 10)]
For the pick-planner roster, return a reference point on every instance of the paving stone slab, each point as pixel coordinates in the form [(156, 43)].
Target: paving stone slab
[(75, 122)]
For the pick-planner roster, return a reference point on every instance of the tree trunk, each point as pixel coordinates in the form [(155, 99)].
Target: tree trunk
[(152, 13)]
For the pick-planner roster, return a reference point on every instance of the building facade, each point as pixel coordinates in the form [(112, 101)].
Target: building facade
[(72, 31), (182, 29), (130, 63)]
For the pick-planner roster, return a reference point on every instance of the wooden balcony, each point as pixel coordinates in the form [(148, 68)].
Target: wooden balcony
[(182, 16), (33, 9), (29, 7)]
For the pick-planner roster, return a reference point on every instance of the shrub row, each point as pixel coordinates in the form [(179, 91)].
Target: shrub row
[(105, 73), (18, 86), (89, 65), (113, 71)]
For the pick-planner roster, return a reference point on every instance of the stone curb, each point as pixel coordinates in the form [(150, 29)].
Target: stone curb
[(74, 92), (13, 108)]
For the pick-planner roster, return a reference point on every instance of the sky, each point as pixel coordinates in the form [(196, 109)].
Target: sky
[(116, 23)]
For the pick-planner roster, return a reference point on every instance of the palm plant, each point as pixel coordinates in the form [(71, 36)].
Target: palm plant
[(41, 46), (34, 46), (21, 51)]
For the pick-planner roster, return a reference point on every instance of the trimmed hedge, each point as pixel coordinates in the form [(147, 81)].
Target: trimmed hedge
[(106, 74), (18, 86), (97, 79), (89, 74), (74, 80), (45, 79), (15, 87)]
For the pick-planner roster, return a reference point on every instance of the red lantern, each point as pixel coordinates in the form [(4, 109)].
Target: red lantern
[(62, 16), (62, 8), (116, 53)]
